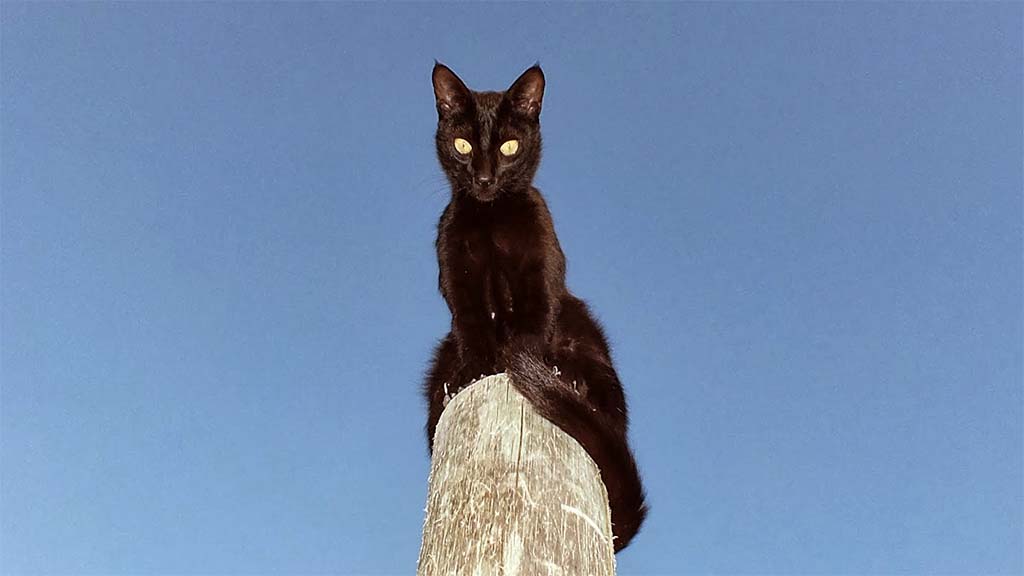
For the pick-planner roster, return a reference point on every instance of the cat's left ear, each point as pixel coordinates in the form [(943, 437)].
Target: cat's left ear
[(527, 92), (450, 92)]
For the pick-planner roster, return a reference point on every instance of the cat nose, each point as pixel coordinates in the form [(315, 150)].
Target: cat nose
[(484, 179)]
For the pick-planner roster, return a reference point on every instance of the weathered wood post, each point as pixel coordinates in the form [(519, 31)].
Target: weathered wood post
[(510, 493)]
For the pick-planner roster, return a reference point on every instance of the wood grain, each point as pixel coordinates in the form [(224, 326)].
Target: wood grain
[(511, 494)]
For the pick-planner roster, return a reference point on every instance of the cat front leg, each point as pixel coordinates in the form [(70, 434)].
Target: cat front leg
[(477, 346), (533, 314), (464, 287)]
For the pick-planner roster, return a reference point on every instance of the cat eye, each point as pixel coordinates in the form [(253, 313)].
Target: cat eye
[(510, 147), (462, 146)]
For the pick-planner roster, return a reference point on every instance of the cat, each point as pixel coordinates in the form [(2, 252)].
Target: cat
[(502, 274)]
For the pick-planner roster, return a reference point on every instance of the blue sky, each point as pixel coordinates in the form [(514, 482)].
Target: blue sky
[(800, 224)]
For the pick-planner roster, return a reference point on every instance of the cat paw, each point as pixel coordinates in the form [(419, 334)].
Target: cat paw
[(451, 394)]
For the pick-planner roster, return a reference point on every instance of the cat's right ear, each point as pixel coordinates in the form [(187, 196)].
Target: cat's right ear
[(527, 92), (451, 94)]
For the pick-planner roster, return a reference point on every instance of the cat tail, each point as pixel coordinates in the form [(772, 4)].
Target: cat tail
[(563, 407)]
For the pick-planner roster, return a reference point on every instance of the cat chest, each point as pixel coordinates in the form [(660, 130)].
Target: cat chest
[(493, 264), (492, 248)]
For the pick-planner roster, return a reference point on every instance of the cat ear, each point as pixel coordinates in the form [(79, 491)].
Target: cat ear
[(527, 92), (451, 94)]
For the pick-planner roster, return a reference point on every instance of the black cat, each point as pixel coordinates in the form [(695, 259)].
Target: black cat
[(502, 273)]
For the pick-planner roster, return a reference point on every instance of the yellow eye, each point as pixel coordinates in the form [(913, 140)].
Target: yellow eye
[(510, 147), (462, 146)]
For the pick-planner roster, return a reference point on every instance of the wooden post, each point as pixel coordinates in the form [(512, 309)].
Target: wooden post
[(510, 493)]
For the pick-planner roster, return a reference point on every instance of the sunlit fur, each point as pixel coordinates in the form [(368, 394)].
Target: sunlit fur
[(502, 274)]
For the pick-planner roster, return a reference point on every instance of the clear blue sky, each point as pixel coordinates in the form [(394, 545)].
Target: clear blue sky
[(800, 224)]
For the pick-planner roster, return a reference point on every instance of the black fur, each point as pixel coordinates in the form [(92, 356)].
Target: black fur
[(502, 273)]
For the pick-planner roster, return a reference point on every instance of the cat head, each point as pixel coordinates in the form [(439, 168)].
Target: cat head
[(488, 143)]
